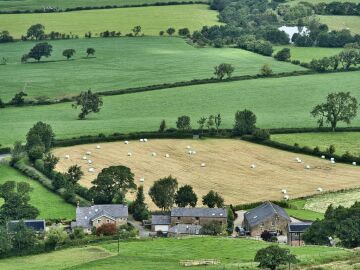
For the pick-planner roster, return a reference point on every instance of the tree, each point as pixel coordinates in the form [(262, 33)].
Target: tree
[(245, 122), (43, 49), (161, 33), (283, 55), (90, 51), (50, 162), (186, 196), (5, 37), (273, 256), (56, 236), (5, 243), (185, 32), (2, 104), (24, 58), (349, 57), (183, 123), (16, 202), (261, 134), (339, 107), (74, 174), (40, 134), (163, 192), (89, 103), (230, 220), (36, 31), (210, 122), (266, 70), (136, 30), (18, 99), (213, 199), (223, 70), (201, 123), (112, 181), (68, 53), (23, 237), (218, 121), (162, 126), (212, 228), (170, 31), (139, 208)]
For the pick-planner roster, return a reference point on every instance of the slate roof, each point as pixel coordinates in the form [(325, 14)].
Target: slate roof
[(263, 212), (37, 225), (199, 212), (84, 215), (298, 226), (160, 220), (185, 229)]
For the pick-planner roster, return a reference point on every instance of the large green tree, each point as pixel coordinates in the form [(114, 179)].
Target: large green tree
[(245, 122), (89, 102), (112, 182), (40, 50), (74, 174), (273, 256), (339, 107), (41, 133), (163, 192), (68, 53), (212, 199), (35, 31), (183, 122), (223, 70), (186, 196), (139, 208)]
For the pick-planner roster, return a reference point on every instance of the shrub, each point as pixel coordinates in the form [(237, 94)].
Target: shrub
[(261, 134), (106, 229), (283, 55), (212, 228), (266, 70)]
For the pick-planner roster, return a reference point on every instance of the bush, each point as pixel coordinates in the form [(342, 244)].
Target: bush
[(212, 228), (283, 55), (106, 229), (261, 134)]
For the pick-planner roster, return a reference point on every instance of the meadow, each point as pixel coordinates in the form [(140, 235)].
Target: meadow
[(277, 102), (50, 205), (225, 159), (166, 253), (151, 19), (120, 63), (314, 2), (342, 22), (343, 141), (6, 5), (306, 54)]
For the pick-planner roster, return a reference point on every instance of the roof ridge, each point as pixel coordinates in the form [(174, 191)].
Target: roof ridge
[(272, 206)]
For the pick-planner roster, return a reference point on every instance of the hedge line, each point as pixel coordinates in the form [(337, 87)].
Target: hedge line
[(5, 150), (171, 3), (43, 180)]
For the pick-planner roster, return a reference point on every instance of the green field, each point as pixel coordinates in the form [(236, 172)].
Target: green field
[(6, 5), (277, 102), (120, 63), (151, 19), (314, 2), (342, 22), (166, 253), (306, 54), (51, 206), (343, 141)]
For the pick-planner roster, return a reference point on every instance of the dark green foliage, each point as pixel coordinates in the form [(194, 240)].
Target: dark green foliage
[(266, 70), (251, 43), (213, 199), (74, 174), (163, 192), (212, 228), (77, 233), (283, 55), (5, 37), (2, 104), (339, 107), (41, 134), (186, 196), (337, 8), (261, 134), (245, 122), (185, 32), (139, 208), (230, 220), (36, 152), (273, 256), (201, 123), (40, 50), (110, 182), (331, 150), (5, 242), (162, 126), (50, 162), (23, 238), (36, 31), (170, 31), (68, 53), (223, 70), (89, 103), (183, 123), (136, 30), (18, 99), (90, 51), (55, 237)]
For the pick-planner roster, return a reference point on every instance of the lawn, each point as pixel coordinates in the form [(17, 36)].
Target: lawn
[(343, 141), (51, 206), (306, 54), (277, 102), (151, 19), (120, 63), (6, 5), (342, 22)]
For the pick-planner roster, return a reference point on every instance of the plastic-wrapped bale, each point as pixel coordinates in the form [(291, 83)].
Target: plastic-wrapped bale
[(323, 157), (193, 152), (84, 157), (145, 140), (299, 161), (141, 140), (88, 153), (253, 166), (190, 152), (67, 157), (98, 147), (167, 155), (332, 159), (283, 191), (307, 167), (153, 154), (286, 197), (129, 154), (188, 147), (319, 189), (142, 180), (203, 165), (90, 161), (126, 142), (91, 170), (354, 163)]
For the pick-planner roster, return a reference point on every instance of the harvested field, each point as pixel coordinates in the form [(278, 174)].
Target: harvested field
[(228, 167)]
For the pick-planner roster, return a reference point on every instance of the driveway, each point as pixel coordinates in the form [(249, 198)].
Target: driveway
[(143, 233), (239, 220)]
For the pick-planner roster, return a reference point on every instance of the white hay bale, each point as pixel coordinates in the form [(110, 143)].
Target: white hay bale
[(84, 157), (145, 140), (142, 180), (284, 191), (193, 152), (153, 154), (67, 157), (203, 165), (129, 154), (323, 157), (126, 142), (141, 140), (98, 147), (253, 166), (190, 152), (91, 170), (167, 155), (89, 161), (319, 189), (354, 163), (286, 197), (188, 147), (332, 159), (88, 153), (299, 161), (307, 167), (297, 158)]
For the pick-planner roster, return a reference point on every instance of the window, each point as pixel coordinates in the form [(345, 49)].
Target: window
[(99, 220), (178, 218), (197, 218)]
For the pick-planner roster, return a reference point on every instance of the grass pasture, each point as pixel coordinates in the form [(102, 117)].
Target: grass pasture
[(227, 168), (50, 205), (120, 63), (342, 22), (343, 141), (277, 102), (151, 19)]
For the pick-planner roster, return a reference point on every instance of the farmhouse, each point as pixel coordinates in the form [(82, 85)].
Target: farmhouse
[(198, 216), (295, 233), (97, 215), (266, 217), (38, 225)]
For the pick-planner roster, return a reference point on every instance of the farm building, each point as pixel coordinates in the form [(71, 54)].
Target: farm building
[(266, 217), (38, 225), (295, 233), (184, 229), (198, 216), (97, 215), (160, 223)]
